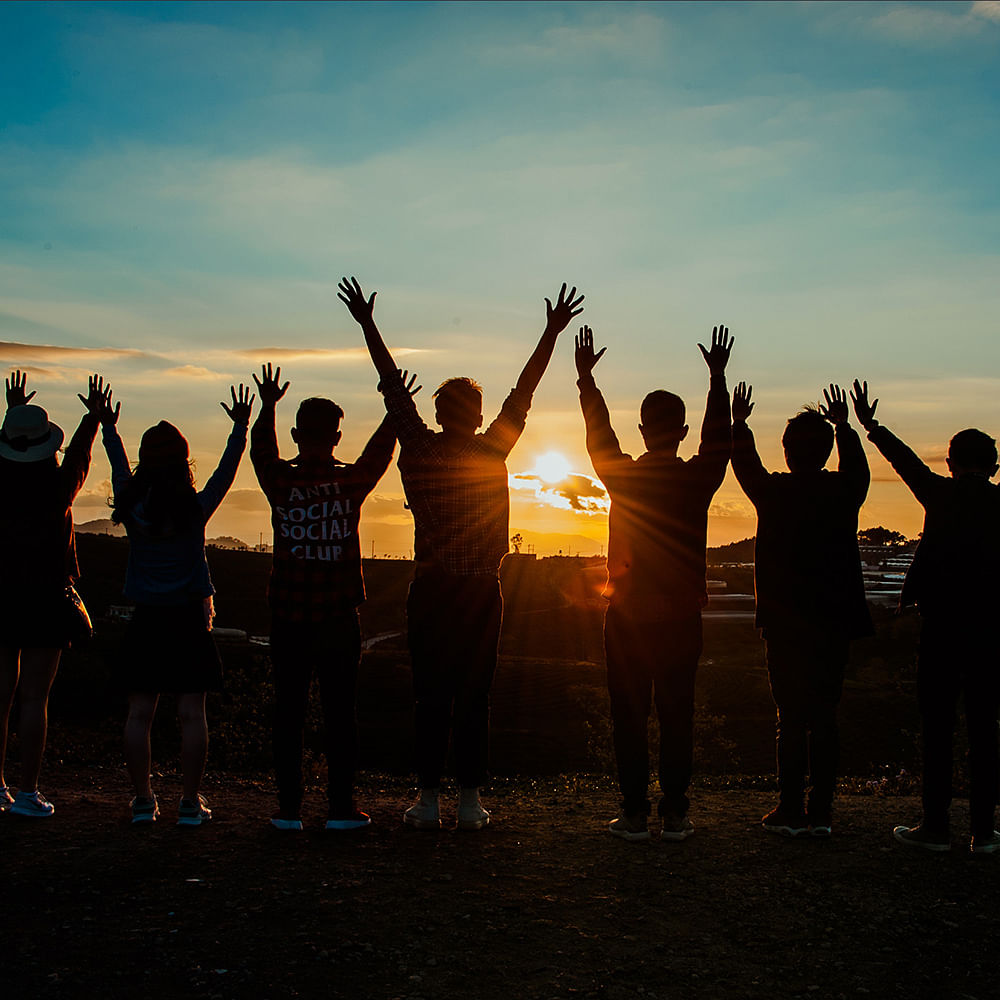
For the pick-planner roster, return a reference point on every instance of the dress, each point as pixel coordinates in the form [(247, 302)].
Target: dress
[(36, 536)]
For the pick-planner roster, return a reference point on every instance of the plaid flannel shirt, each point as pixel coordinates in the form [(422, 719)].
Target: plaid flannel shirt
[(315, 511), (459, 495)]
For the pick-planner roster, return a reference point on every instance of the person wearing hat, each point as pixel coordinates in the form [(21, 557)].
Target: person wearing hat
[(36, 537), (169, 646)]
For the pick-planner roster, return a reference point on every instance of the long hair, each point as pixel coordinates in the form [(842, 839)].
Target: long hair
[(162, 485)]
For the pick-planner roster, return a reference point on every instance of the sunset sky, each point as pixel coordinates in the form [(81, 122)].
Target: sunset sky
[(182, 185)]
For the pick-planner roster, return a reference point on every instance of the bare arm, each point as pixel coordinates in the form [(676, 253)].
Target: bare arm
[(557, 319), (362, 309)]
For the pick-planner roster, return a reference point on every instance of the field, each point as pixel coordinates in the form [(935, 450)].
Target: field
[(542, 903)]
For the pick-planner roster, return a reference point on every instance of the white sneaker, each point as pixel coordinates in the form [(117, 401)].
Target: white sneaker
[(472, 817), (423, 816), (32, 804)]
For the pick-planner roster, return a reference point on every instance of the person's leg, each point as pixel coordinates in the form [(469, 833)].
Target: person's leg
[(9, 669), (141, 710), (630, 691), (938, 688), (38, 671), (430, 619), (338, 658), (673, 649), (982, 703), (291, 671), (481, 614), (785, 667), (828, 661), (194, 741)]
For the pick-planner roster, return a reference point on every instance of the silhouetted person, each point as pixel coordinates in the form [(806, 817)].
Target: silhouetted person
[(169, 646), (39, 551), (954, 583), (315, 590), (810, 593), (455, 482), (656, 580)]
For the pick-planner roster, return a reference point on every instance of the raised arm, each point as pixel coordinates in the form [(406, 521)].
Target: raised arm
[(557, 318), (76, 457), (363, 311), (852, 463), (749, 469), (716, 429), (263, 438), (602, 443), (219, 482)]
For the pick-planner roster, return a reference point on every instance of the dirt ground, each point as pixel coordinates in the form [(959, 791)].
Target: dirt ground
[(542, 903)]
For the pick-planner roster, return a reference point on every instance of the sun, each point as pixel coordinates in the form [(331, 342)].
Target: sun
[(552, 467)]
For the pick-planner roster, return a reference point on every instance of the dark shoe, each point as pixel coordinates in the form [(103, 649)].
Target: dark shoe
[(917, 836), (348, 819), (144, 811), (629, 827), (986, 844), (676, 828), (193, 812), (785, 823), (31, 804)]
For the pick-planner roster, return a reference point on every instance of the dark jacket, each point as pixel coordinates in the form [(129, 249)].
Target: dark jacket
[(658, 521), (807, 568), (959, 548)]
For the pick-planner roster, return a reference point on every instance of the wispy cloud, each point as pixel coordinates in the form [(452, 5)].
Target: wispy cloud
[(55, 352), (321, 354), (925, 24), (191, 371)]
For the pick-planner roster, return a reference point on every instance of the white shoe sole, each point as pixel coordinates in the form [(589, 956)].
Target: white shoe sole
[(473, 824), (421, 824), (676, 836), (923, 845), (626, 835)]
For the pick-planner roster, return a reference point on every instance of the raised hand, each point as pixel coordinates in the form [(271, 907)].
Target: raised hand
[(836, 405), (239, 412), (558, 316), (742, 406), (865, 411), (267, 385), (404, 375), (585, 357), (722, 344), (349, 292), (109, 414), (98, 397), (16, 386)]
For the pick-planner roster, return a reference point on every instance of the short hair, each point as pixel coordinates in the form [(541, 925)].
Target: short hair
[(808, 439), (318, 418), (973, 449), (459, 400), (662, 411)]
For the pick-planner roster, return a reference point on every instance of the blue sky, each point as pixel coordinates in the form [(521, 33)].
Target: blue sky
[(182, 184)]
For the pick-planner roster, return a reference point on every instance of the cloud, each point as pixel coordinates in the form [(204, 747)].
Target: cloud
[(924, 24), (575, 492), (192, 371), (990, 9), (350, 354), (247, 500), (53, 352)]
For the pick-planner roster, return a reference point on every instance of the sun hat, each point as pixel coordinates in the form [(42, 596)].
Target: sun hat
[(28, 435)]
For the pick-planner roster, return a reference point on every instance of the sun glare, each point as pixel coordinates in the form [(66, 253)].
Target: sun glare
[(552, 467)]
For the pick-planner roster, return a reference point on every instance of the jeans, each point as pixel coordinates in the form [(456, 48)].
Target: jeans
[(950, 666), (333, 650), (806, 669), (652, 662), (453, 627)]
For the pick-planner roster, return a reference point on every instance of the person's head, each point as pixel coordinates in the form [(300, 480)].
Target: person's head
[(458, 405), (161, 491), (808, 441), (971, 452), (317, 426), (662, 416), (28, 436)]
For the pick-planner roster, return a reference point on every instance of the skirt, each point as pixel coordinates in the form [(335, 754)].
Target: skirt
[(168, 650)]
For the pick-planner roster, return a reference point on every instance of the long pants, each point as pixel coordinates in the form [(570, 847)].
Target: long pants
[(806, 669), (331, 649), (453, 625), (953, 666), (652, 662)]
